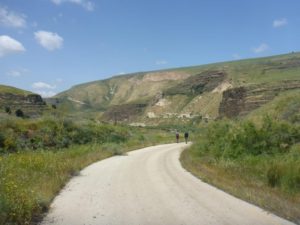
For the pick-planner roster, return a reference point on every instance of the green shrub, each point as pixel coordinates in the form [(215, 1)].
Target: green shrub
[(19, 113), (274, 175), (7, 110), (10, 143), (225, 139), (268, 151), (115, 149), (2, 139), (53, 133)]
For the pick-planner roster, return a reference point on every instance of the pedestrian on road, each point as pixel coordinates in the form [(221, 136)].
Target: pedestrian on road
[(186, 137), (177, 137)]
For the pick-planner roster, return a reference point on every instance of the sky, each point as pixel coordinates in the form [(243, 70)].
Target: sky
[(48, 46)]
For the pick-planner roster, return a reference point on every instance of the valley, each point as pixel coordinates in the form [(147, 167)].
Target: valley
[(243, 118), (209, 91)]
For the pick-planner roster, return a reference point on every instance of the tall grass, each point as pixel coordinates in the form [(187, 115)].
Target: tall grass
[(257, 162), (29, 180)]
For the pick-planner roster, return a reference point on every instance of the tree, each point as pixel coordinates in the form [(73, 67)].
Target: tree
[(7, 110), (19, 113)]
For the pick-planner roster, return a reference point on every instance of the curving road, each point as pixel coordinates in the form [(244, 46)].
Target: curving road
[(149, 187)]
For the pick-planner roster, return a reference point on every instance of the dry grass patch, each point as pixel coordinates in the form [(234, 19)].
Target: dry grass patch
[(241, 184)]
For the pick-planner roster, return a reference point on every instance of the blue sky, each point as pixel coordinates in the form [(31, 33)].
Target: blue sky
[(47, 46)]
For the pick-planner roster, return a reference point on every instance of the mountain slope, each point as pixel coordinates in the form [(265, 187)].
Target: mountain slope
[(208, 90), (285, 106), (13, 90), (12, 99)]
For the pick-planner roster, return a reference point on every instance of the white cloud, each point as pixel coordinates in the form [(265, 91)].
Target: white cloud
[(17, 72), (42, 85), (12, 19), (261, 48), (44, 89), (49, 40), (14, 73), (280, 22), (46, 94), (9, 45), (161, 62), (88, 5)]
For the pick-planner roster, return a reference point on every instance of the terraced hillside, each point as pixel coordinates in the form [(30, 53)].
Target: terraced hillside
[(243, 100), (12, 99), (228, 89)]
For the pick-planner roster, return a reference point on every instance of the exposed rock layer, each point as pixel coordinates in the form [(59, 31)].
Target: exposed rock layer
[(32, 104), (242, 100)]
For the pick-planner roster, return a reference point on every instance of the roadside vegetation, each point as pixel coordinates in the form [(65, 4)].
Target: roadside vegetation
[(256, 161), (37, 158), (48, 133)]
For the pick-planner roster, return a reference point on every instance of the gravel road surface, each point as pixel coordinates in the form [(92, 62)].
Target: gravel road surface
[(149, 187)]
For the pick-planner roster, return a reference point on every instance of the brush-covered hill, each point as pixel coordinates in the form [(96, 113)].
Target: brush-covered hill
[(13, 99), (12, 90), (228, 89)]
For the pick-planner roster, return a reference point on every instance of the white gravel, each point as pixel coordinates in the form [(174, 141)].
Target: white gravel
[(149, 187)]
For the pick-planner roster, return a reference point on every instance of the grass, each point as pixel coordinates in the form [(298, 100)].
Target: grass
[(259, 163), (238, 179), (255, 71), (286, 106), (29, 180), (13, 90)]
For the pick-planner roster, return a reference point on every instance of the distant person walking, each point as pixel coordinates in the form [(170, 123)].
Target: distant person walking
[(177, 137), (186, 137)]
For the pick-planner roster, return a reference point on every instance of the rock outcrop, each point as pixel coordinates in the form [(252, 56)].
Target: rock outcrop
[(124, 112), (195, 85), (32, 104), (242, 100)]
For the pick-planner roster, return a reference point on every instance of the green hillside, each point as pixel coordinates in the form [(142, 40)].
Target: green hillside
[(285, 106), (27, 103), (13, 90), (187, 92)]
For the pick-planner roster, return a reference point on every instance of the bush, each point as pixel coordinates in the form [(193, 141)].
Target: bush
[(2, 139), (47, 133), (274, 174), (115, 149), (19, 113), (271, 147), (7, 110), (226, 139)]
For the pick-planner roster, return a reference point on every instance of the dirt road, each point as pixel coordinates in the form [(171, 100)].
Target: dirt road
[(149, 187)]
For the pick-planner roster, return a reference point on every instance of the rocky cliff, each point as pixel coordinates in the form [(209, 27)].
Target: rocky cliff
[(31, 105), (242, 100)]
